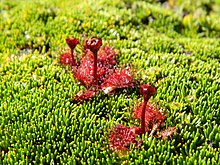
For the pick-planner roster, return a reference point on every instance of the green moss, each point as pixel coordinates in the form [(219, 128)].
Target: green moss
[(175, 46)]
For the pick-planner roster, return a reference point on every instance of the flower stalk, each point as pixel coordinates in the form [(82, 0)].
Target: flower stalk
[(94, 44), (147, 91), (72, 42)]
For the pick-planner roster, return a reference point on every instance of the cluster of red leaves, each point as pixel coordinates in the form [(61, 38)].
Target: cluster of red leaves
[(96, 70), (105, 66)]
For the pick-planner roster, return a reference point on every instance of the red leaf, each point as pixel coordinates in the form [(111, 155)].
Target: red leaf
[(107, 57), (84, 72), (66, 59), (119, 79), (84, 95), (121, 137)]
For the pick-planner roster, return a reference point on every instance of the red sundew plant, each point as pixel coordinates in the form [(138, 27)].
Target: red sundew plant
[(96, 69), (151, 118), (121, 137)]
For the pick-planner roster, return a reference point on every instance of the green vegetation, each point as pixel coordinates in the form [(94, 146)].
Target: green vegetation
[(175, 45)]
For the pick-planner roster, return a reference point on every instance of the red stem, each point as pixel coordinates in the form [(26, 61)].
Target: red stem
[(143, 113), (73, 59), (95, 69)]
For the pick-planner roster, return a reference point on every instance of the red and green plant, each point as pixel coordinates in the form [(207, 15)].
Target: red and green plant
[(119, 138), (97, 71), (150, 118)]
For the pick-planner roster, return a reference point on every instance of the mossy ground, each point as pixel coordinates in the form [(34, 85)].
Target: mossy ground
[(175, 45)]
